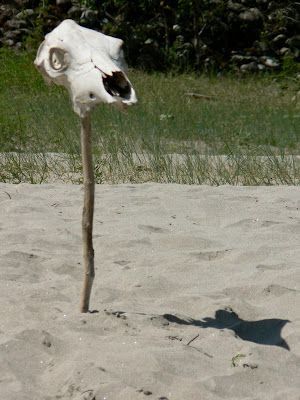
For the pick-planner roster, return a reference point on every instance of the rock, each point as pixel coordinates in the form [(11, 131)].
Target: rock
[(250, 67), (251, 15), (294, 41), (261, 46), (270, 62), (279, 39), (261, 67), (209, 63), (235, 6), (18, 46), (272, 5), (74, 12), (89, 15), (23, 3), (15, 24), (204, 49), (8, 42), (240, 59), (284, 50), (296, 53), (25, 13), (148, 41), (14, 35), (25, 31), (63, 2), (5, 14)]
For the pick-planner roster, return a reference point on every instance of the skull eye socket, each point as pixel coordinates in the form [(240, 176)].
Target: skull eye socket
[(58, 59)]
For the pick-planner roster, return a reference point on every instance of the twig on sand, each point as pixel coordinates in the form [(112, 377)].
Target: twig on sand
[(7, 194), (195, 337)]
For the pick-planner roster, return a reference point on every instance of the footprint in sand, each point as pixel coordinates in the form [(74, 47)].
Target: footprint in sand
[(159, 321), (22, 266), (122, 263), (211, 255), (277, 290), (49, 296), (72, 270), (258, 255), (152, 229), (138, 242), (266, 224), (252, 223), (276, 267), (20, 256), (28, 357)]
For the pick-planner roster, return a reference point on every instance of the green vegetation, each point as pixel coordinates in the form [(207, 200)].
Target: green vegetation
[(169, 137), (179, 34)]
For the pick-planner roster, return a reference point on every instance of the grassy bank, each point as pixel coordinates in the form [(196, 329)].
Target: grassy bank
[(243, 118)]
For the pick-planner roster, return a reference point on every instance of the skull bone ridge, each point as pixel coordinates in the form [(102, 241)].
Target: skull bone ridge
[(88, 63)]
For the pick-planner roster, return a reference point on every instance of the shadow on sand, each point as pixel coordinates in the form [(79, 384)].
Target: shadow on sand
[(265, 331)]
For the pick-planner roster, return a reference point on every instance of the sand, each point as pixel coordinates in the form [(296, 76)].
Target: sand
[(196, 295)]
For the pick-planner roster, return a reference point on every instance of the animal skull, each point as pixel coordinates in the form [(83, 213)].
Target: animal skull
[(88, 63)]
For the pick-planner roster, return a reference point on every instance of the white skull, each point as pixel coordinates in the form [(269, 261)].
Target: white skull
[(88, 63)]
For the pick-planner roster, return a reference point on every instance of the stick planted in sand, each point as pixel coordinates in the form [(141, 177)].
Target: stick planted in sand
[(91, 66), (87, 212)]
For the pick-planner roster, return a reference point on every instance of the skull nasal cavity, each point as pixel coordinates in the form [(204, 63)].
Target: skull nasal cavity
[(117, 85)]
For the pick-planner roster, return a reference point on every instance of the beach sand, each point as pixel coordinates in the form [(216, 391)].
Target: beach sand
[(196, 295)]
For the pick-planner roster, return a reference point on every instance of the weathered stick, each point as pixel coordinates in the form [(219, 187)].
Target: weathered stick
[(88, 211)]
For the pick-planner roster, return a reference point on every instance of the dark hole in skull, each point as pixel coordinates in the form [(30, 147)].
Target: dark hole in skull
[(117, 85)]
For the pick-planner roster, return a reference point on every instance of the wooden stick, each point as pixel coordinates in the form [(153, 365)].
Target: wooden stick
[(88, 212)]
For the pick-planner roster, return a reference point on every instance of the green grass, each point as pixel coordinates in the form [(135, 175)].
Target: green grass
[(246, 118)]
